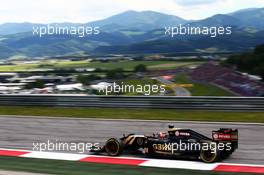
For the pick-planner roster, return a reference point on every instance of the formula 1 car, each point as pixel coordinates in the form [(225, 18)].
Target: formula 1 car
[(176, 143)]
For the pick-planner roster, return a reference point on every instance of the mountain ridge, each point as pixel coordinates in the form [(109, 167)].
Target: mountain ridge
[(129, 19), (128, 36)]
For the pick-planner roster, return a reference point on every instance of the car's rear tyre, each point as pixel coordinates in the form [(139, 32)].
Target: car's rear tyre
[(209, 156), (113, 147)]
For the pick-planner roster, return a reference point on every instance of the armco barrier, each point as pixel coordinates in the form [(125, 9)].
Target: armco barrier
[(162, 102)]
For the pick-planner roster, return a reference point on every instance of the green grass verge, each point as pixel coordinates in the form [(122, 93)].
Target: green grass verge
[(78, 168), (201, 89), (148, 114), (127, 65)]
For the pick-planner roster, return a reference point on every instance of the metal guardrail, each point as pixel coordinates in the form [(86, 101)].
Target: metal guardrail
[(163, 102)]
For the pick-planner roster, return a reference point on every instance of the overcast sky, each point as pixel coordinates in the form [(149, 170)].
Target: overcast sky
[(46, 11)]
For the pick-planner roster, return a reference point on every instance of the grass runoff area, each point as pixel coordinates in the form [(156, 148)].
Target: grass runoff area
[(147, 114), (126, 65), (79, 168)]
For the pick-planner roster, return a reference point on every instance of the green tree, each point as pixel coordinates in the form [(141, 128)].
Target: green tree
[(115, 74), (36, 84), (259, 49), (252, 63), (87, 79), (140, 68)]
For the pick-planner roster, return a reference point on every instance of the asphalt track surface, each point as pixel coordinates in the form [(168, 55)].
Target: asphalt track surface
[(20, 133)]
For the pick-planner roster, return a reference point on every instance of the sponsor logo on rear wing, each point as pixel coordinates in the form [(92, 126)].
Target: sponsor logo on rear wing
[(225, 135)]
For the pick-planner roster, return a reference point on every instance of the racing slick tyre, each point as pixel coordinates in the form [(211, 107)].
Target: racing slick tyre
[(209, 155), (113, 147)]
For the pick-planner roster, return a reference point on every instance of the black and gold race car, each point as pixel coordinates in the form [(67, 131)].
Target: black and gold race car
[(176, 143)]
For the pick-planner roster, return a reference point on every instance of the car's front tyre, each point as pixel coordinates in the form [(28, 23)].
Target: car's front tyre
[(113, 147)]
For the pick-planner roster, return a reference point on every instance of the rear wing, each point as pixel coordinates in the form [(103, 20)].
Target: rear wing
[(225, 134)]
